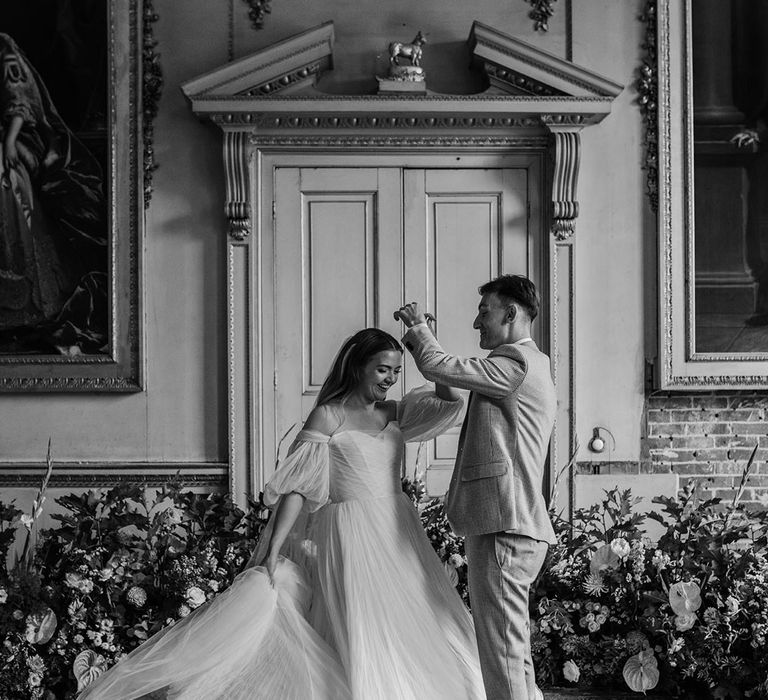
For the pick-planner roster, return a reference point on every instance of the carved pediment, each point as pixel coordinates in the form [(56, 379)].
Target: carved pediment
[(276, 88), (532, 99), (289, 67), (514, 67)]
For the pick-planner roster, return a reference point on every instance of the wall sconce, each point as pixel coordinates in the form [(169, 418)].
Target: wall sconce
[(597, 443)]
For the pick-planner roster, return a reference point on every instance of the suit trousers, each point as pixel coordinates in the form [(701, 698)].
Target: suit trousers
[(501, 568)]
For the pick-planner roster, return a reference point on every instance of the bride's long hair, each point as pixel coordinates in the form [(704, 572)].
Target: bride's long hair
[(346, 370)]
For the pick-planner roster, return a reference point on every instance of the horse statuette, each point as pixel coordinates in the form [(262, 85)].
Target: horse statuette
[(412, 51)]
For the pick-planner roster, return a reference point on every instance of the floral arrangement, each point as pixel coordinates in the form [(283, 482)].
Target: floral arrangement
[(685, 616), (120, 566)]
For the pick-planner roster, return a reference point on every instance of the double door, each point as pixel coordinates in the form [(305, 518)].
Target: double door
[(352, 244)]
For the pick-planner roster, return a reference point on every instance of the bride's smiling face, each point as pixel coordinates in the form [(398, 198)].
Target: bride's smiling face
[(380, 374)]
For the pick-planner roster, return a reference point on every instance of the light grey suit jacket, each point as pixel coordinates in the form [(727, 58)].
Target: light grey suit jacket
[(497, 481)]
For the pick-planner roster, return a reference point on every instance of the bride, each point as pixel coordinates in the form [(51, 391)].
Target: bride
[(345, 597)]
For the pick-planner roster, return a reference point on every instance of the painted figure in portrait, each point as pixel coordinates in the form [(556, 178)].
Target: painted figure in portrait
[(53, 213)]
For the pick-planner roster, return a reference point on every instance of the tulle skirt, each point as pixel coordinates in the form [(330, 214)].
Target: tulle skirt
[(373, 616)]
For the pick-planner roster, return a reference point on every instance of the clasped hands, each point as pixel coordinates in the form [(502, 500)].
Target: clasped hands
[(411, 315)]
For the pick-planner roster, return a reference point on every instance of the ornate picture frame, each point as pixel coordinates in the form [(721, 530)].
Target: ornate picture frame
[(113, 361), (686, 361)]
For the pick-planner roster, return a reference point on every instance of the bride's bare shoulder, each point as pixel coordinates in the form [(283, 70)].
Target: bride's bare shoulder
[(324, 419)]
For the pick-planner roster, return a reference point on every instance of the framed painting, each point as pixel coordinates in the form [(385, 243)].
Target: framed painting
[(712, 175), (71, 195)]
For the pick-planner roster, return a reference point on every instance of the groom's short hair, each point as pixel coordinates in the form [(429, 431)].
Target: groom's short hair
[(515, 288)]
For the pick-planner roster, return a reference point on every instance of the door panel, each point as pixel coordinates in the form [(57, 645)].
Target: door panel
[(352, 244), (459, 227), (332, 273)]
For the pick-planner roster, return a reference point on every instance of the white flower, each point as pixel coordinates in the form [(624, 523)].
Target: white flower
[(213, 584), (87, 666), (603, 558), (34, 680), (456, 560), (684, 621), (571, 671), (40, 626), (3, 595), (641, 671), (660, 560), (184, 610), (195, 597), (732, 605), (136, 596), (620, 547), (594, 584), (685, 597), (27, 520), (78, 582), (106, 573), (676, 645), (36, 664)]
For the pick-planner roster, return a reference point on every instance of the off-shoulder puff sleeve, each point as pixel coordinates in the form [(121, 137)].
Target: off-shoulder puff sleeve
[(423, 415), (304, 471)]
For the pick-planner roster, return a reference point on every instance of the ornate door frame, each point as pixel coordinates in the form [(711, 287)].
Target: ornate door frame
[(268, 107)]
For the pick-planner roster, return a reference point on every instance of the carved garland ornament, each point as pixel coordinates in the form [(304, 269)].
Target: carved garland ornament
[(541, 12), (152, 89), (647, 86)]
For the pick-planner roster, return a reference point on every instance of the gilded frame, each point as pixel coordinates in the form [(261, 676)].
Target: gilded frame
[(681, 366), (120, 368)]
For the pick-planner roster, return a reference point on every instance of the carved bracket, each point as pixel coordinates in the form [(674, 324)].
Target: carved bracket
[(237, 208), (567, 153)]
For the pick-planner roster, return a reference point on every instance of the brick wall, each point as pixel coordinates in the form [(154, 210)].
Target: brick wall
[(709, 437)]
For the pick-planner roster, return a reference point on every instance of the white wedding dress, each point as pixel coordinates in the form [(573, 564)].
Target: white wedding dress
[(362, 607)]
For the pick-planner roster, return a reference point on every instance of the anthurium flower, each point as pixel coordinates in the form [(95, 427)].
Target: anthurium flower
[(685, 597), (87, 666), (40, 626), (641, 671), (603, 558)]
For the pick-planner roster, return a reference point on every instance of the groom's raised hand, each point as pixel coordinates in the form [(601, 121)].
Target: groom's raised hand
[(411, 315)]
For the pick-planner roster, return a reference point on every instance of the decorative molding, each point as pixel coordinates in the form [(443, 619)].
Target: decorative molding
[(517, 82), (287, 80), (73, 384), (101, 474), (257, 9), (648, 99), (541, 12), (490, 45), (152, 89), (415, 142), (278, 66), (324, 120), (680, 367), (237, 207), (565, 208)]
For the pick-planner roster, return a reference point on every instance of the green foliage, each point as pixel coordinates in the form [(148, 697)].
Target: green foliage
[(697, 598), (121, 564)]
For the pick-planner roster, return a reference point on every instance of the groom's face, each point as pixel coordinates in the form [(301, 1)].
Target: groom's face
[(494, 316)]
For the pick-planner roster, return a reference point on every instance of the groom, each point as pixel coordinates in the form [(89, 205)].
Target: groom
[(495, 498)]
